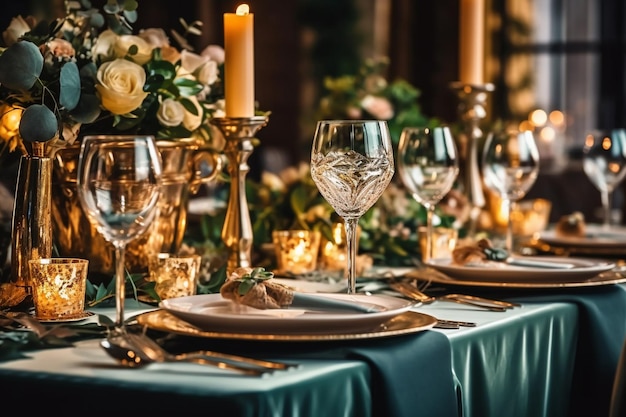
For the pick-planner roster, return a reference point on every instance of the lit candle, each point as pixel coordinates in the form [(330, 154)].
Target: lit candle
[(239, 62), (471, 41)]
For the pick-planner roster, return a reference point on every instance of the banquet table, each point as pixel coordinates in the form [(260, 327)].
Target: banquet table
[(555, 355)]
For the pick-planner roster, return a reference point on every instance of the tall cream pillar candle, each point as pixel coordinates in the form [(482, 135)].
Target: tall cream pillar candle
[(471, 41), (239, 62)]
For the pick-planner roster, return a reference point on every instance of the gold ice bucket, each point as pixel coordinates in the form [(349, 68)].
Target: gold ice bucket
[(186, 165)]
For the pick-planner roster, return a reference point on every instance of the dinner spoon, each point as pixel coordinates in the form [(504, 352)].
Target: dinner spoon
[(151, 348), (123, 350)]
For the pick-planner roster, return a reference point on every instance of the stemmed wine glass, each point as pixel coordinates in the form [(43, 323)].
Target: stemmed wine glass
[(428, 166), (352, 165), (510, 165), (118, 186), (604, 162)]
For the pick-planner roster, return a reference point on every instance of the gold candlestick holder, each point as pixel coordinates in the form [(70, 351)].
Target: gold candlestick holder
[(237, 231), (472, 109)]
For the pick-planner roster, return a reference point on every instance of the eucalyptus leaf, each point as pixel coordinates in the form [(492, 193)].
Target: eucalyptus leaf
[(20, 66), (87, 110), (131, 16), (69, 92), (38, 124)]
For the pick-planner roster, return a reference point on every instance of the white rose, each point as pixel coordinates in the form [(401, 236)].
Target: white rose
[(378, 107), (120, 85), (103, 49), (144, 49), (190, 62), (214, 53), (193, 121), (171, 112), (155, 37), (208, 73), (18, 27)]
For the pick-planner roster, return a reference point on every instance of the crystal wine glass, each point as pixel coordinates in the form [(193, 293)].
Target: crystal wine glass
[(510, 165), (428, 166), (118, 187), (604, 162), (352, 165)]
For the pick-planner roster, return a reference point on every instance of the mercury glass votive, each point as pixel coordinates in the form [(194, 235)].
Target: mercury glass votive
[(296, 250), (175, 275), (58, 287)]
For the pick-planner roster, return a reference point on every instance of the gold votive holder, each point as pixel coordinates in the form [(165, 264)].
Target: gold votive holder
[(58, 287), (443, 242), (175, 275), (296, 250), (530, 216)]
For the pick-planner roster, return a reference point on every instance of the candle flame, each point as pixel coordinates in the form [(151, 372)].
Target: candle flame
[(242, 10)]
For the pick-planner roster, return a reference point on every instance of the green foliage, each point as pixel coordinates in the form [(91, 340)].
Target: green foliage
[(136, 284), (254, 277)]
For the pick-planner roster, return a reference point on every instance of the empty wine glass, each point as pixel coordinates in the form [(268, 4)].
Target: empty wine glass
[(428, 166), (604, 162), (352, 165), (118, 188), (510, 165)]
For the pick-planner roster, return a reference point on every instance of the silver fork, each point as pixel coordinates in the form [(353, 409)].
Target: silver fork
[(413, 292)]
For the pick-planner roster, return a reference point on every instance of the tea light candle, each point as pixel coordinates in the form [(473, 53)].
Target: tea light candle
[(471, 41), (296, 250), (58, 287), (239, 62)]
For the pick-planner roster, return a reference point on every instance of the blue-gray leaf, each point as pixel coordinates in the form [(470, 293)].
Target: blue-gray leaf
[(20, 65), (69, 79)]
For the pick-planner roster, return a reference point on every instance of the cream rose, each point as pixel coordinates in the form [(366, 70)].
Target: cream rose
[(103, 49), (193, 121), (18, 27), (203, 68), (214, 53), (120, 85), (170, 113), (123, 44), (155, 37)]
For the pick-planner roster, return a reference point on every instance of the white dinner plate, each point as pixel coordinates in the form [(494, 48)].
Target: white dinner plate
[(595, 237), (499, 272), (212, 312)]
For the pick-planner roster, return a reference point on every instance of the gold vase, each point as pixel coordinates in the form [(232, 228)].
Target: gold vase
[(31, 228), (186, 165)]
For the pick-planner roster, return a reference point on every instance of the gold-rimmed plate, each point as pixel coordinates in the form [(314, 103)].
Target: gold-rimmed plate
[(605, 278), (405, 323), (215, 313), (581, 269)]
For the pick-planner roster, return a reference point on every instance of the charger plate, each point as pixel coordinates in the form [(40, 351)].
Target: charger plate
[(606, 278), (500, 273), (404, 323)]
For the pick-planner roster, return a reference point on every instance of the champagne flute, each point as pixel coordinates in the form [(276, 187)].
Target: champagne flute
[(604, 162), (352, 165), (428, 166), (118, 187), (510, 165)]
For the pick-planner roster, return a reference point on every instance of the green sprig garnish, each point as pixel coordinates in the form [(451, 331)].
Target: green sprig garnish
[(249, 280)]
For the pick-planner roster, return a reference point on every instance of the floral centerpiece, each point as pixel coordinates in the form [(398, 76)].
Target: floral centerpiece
[(90, 73)]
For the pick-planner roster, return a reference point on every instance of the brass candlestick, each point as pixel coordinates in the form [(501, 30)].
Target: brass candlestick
[(472, 109), (237, 231)]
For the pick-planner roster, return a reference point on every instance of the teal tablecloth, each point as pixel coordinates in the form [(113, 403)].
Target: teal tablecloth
[(403, 369), (602, 331)]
